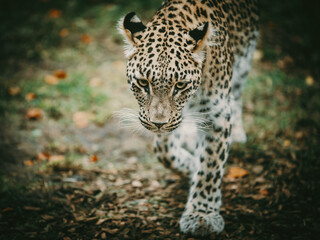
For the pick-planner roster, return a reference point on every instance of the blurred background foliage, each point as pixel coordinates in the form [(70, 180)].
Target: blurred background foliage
[(30, 27)]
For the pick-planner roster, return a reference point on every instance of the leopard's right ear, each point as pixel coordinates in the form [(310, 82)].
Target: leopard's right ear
[(130, 25)]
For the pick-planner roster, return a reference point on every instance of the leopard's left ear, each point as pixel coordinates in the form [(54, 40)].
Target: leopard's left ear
[(200, 34), (130, 25)]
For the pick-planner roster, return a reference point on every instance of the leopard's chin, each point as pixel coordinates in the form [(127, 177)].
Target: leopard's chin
[(163, 130), (160, 131)]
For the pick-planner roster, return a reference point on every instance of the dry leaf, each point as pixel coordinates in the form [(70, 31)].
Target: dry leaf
[(309, 80), (101, 220), (51, 80), (61, 74), (64, 32), (257, 169), (30, 96), (81, 119), (28, 163), (103, 235), (94, 158), (43, 156), (286, 143), (47, 217), (34, 113), (54, 13), (155, 184), (136, 183), (257, 196), (95, 82), (14, 91), (285, 62), (132, 160), (56, 158), (8, 209), (237, 172), (264, 192), (299, 135), (110, 231), (86, 39), (257, 55), (29, 208)]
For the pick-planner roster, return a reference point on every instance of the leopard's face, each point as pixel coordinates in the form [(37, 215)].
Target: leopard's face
[(163, 70), (162, 84)]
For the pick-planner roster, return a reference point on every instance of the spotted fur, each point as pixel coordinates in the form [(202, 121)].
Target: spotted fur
[(187, 68)]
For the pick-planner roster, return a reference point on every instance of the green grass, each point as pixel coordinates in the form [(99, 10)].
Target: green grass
[(70, 95)]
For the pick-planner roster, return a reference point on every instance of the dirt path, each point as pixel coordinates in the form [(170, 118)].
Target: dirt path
[(128, 195)]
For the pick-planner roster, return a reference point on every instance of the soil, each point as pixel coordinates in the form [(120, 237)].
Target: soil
[(134, 197)]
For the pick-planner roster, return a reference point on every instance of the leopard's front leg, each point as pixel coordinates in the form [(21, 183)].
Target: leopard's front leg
[(201, 216), (173, 152)]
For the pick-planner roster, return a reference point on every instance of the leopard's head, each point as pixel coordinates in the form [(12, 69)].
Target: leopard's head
[(164, 68)]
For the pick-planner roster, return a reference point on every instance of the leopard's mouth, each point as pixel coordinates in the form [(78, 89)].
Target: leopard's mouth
[(165, 128)]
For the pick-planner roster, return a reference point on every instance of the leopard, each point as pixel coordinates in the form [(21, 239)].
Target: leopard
[(187, 68)]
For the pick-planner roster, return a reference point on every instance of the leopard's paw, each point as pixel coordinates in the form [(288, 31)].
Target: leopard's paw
[(199, 224)]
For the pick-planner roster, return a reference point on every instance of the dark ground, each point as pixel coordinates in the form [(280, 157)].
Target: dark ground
[(125, 193)]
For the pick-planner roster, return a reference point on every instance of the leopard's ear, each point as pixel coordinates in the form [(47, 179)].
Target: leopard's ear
[(199, 35), (130, 25)]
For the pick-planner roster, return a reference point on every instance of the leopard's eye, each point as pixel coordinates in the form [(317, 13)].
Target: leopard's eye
[(143, 83), (181, 85)]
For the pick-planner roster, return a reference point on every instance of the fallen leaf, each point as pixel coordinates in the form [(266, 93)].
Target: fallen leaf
[(86, 39), (61, 74), (101, 220), (299, 135), (47, 217), (28, 163), (64, 32), (132, 160), (103, 235), (95, 82), (51, 80), (110, 231), (30, 96), (257, 55), (43, 156), (285, 62), (29, 208), (257, 169), (8, 209), (56, 158), (286, 143), (309, 80), (54, 13), (155, 184), (136, 183), (81, 119), (237, 172), (257, 196), (94, 158), (264, 192), (34, 113), (14, 91)]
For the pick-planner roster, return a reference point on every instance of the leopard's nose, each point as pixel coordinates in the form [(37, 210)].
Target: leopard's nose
[(159, 124)]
